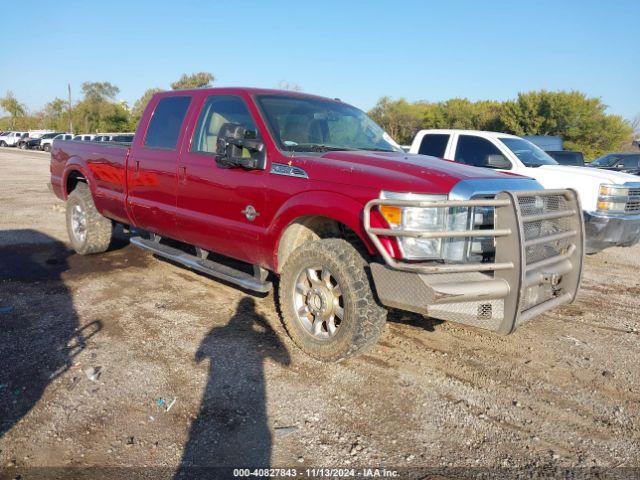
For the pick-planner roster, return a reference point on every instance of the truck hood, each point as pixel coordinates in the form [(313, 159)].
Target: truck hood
[(604, 176), (394, 171)]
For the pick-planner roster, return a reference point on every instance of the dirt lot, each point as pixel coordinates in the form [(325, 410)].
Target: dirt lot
[(189, 371)]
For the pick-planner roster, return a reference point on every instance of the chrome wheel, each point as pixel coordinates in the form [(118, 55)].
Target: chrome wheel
[(318, 302), (79, 223)]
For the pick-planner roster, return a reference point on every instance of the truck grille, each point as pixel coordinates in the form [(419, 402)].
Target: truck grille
[(534, 207), (632, 206)]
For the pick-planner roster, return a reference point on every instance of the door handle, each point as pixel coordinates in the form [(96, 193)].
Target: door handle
[(136, 169), (182, 174)]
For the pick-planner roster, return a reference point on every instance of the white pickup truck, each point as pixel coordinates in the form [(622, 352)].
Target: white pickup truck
[(610, 200)]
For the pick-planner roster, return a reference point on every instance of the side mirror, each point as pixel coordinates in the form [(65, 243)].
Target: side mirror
[(232, 139), (497, 161), (620, 166)]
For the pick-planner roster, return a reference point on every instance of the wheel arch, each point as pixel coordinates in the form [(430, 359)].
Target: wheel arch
[(74, 173), (309, 217)]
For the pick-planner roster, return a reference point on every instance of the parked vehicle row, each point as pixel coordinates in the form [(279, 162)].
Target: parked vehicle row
[(114, 137), (43, 139), (312, 190), (621, 162), (11, 139), (38, 143)]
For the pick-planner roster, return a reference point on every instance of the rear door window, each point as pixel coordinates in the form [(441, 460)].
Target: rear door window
[(434, 144), (165, 124)]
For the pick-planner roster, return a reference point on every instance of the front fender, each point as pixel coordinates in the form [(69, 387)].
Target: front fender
[(335, 206)]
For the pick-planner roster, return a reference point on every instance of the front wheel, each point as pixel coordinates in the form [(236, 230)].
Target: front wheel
[(88, 231), (46, 147), (326, 301), (3, 144)]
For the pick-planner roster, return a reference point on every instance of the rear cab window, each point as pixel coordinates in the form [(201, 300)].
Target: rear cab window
[(434, 144), (166, 122)]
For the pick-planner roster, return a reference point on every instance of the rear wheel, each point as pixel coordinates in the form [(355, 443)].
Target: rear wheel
[(88, 231), (326, 301)]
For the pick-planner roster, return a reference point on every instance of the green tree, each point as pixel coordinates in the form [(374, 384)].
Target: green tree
[(581, 121), (13, 107), (54, 115), (140, 105), (96, 91), (98, 112), (464, 114), (195, 80), (402, 119), (399, 118)]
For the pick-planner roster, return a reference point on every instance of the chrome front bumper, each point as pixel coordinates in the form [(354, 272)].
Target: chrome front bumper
[(539, 243), (603, 231)]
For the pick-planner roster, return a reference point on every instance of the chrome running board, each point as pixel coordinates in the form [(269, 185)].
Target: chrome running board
[(256, 283)]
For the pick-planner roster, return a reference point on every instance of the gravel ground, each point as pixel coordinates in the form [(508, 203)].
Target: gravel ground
[(125, 360)]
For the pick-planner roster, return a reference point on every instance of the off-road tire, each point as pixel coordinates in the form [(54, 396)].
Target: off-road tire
[(364, 318), (98, 228)]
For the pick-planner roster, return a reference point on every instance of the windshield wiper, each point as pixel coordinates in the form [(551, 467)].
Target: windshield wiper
[(315, 147)]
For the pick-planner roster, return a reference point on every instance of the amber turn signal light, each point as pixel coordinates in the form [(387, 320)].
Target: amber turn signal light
[(393, 215)]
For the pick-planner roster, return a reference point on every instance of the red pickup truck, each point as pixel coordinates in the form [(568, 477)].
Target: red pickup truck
[(238, 182)]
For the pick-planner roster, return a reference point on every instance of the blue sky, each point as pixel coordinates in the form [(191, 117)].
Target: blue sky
[(355, 50)]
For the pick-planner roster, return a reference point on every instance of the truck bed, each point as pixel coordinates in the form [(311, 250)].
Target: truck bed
[(107, 162)]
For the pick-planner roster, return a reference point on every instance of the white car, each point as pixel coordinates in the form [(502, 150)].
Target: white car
[(46, 143), (610, 200), (11, 139)]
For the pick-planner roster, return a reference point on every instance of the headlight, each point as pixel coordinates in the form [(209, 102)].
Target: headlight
[(414, 218), (613, 198)]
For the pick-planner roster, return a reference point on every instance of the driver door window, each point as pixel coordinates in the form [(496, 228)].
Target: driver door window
[(217, 111), (475, 151)]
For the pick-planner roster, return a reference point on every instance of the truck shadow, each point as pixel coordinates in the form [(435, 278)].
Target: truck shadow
[(39, 334), (413, 319), (232, 428)]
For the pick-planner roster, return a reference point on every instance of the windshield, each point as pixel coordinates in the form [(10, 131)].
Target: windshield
[(302, 124), (527, 152), (606, 161)]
